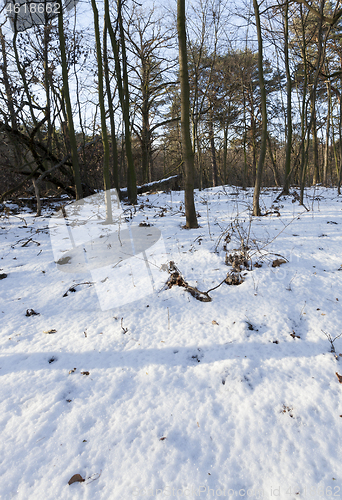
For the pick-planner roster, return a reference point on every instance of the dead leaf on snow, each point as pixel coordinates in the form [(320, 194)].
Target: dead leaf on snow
[(76, 478), (162, 439), (214, 322), (72, 371), (339, 377), (31, 312), (50, 331), (84, 373), (278, 262)]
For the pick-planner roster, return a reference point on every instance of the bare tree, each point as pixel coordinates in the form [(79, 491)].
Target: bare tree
[(188, 154)]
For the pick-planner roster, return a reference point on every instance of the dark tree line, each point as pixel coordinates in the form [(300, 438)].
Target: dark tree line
[(143, 94)]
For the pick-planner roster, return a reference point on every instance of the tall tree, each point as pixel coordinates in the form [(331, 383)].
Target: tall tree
[(188, 154), (123, 90), (106, 176), (286, 184), (256, 207), (66, 95)]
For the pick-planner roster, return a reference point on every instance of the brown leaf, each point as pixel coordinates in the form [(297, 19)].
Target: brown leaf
[(72, 371), (214, 322), (76, 478), (50, 331), (162, 439), (31, 312), (278, 262), (339, 377), (84, 373)]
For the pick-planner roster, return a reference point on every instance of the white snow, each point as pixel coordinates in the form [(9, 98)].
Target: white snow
[(242, 416)]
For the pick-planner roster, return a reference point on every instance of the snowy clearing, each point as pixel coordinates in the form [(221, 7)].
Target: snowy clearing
[(179, 398)]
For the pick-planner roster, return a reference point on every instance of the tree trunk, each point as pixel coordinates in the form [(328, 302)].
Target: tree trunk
[(315, 146), (115, 163), (106, 176), (225, 153), (123, 96), (326, 147), (273, 162), (66, 95), (303, 113), (131, 177), (286, 186), (188, 154), (256, 207), (339, 172), (36, 191), (213, 151)]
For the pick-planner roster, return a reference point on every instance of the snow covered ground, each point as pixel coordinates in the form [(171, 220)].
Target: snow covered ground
[(233, 398)]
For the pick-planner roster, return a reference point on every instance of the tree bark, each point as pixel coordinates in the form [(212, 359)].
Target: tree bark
[(326, 146), (213, 151), (66, 95), (257, 187), (188, 154), (123, 96), (106, 176), (115, 164), (288, 149), (131, 177)]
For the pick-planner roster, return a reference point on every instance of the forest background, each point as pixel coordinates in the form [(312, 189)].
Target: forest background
[(92, 97)]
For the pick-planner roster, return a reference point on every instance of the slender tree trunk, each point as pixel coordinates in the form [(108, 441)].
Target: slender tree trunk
[(123, 96), (36, 191), (213, 151), (145, 141), (131, 177), (7, 83), (225, 153), (188, 154), (245, 166), (315, 146), (257, 187), (273, 162), (313, 92), (339, 171), (286, 186), (106, 175), (115, 163), (253, 138), (334, 147), (326, 147), (66, 95), (303, 113)]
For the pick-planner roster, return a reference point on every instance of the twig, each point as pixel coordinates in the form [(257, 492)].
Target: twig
[(125, 330), (331, 340), (208, 219), (73, 287)]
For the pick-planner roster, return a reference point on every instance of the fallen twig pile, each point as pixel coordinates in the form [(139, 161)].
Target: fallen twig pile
[(177, 279)]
